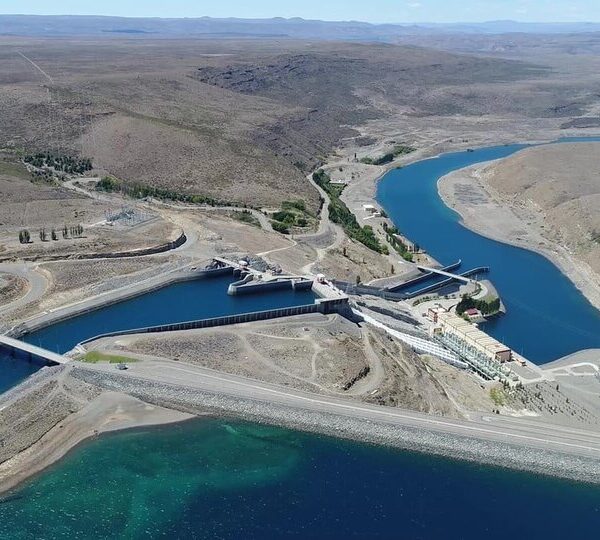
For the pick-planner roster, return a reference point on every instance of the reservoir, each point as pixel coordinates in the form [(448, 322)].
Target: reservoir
[(215, 478), (179, 302), (547, 317)]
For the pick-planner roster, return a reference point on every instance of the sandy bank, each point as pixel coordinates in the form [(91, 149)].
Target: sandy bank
[(483, 212), (108, 412)]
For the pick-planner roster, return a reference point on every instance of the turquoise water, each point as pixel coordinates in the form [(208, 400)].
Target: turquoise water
[(547, 316), (180, 302), (228, 480)]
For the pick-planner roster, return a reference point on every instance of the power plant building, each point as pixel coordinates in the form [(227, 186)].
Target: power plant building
[(451, 325)]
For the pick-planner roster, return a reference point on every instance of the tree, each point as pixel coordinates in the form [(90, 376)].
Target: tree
[(24, 236), (358, 280), (54, 235), (43, 235)]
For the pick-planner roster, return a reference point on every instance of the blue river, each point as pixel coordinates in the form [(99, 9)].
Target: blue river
[(547, 317), (180, 302), (221, 479), (216, 478), (15, 370)]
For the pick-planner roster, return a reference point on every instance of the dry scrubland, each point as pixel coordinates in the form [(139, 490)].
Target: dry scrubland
[(36, 205), (558, 186), (544, 198), (243, 121), (327, 355)]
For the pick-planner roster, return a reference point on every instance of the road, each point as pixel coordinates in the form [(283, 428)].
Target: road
[(37, 284), (77, 185), (526, 432)]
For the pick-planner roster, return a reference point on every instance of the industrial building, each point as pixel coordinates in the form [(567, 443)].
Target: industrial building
[(472, 335), (484, 353)]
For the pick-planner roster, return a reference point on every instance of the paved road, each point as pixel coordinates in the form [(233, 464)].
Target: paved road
[(519, 431), (37, 284)]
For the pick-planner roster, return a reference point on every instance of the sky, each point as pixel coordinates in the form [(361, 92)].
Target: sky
[(376, 11)]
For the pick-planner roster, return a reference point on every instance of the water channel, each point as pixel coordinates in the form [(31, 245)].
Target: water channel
[(547, 317)]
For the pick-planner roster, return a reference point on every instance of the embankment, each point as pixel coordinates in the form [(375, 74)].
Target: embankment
[(466, 192)]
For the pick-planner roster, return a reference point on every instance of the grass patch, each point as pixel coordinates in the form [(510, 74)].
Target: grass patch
[(93, 357), (17, 170), (498, 396), (245, 216)]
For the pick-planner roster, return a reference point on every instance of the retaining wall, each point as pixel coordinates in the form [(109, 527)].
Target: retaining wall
[(110, 299), (320, 306)]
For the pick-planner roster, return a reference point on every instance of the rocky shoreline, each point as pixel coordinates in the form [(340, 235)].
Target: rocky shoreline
[(480, 450)]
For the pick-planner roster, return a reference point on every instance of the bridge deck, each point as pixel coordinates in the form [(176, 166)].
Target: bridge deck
[(444, 273), (12, 344)]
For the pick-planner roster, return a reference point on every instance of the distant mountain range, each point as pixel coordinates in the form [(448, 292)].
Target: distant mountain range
[(34, 25)]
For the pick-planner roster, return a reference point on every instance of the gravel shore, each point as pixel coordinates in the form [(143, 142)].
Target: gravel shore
[(196, 401)]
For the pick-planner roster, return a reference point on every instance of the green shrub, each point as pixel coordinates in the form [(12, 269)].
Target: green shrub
[(284, 216), (486, 307), (340, 214), (298, 205), (280, 227)]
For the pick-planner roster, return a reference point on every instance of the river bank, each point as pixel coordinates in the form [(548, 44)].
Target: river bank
[(34, 439), (97, 398), (484, 212)]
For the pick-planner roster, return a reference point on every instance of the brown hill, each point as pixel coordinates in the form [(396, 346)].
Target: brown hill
[(562, 183)]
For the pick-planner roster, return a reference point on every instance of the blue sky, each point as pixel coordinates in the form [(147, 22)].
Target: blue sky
[(364, 10)]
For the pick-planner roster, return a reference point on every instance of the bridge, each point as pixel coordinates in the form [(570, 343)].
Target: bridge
[(442, 272), (453, 277), (17, 348), (422, 277)]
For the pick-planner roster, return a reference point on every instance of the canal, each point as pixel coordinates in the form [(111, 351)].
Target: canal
[(547, 317), (179, 302)]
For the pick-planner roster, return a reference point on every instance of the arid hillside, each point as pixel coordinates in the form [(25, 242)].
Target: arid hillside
[(240, 121), (562, 183)]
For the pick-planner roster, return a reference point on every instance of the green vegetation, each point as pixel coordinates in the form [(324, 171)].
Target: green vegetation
[(498, 396), (280, 227), (388, 157), (76, 231), (487, 307), (111, 184), (24, 236), (298, 205), (397, 244), (59, 162), (245, 216), (93, 357), (292, 214), (340, 214), (285, 217)]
